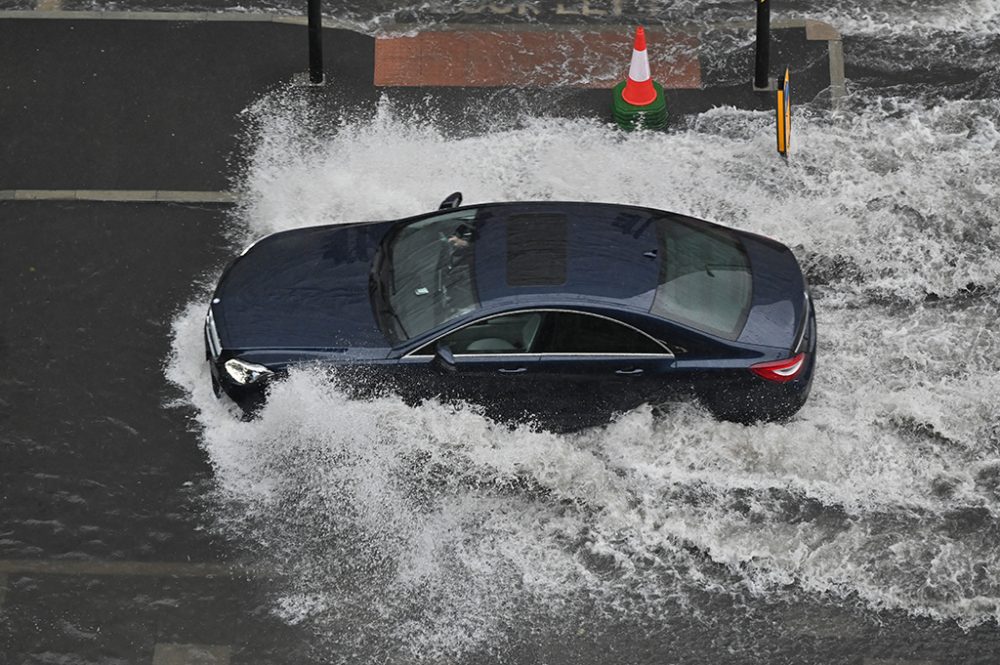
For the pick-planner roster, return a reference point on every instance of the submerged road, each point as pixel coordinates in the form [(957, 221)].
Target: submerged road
[(112, 549)]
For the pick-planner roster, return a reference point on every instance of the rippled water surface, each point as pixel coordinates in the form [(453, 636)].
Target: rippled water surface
[(444, 534)]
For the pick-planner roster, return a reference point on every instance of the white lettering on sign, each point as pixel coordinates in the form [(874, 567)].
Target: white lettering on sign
[(587, 8), (503, 8)]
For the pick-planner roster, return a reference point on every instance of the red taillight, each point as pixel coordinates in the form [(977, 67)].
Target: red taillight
[(780, 370)]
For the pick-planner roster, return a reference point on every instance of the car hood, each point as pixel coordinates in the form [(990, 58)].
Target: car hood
[(778, 307), (305, 288)]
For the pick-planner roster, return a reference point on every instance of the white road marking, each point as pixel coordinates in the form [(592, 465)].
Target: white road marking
[(120, 568), (192, 654), (124, 195)]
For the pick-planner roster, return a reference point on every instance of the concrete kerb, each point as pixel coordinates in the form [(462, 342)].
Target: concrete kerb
[(817, 30)]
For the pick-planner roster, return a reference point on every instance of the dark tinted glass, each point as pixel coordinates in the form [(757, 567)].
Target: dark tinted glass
[(704, 278), (510, 333), (536, 250), (583, 333), (430, 272)]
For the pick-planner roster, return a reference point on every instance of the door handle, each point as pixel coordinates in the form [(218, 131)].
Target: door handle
[(512, 370), (629, 372)]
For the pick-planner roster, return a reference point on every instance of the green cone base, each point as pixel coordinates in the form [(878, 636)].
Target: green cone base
[(629, 117)]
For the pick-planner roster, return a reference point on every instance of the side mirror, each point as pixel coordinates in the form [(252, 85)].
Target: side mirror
[(453, 201), (444, 360)]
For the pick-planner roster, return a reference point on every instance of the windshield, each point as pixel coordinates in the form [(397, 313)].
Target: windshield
[(426, 274), (704, 278)]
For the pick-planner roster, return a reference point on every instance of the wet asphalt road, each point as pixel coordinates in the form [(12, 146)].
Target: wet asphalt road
[(96, 466)]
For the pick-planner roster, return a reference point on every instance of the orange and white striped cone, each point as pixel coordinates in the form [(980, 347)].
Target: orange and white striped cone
[(639, 89), (638, 100)]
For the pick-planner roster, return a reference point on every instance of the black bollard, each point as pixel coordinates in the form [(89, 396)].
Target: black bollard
[(315, 42), (760, 79)]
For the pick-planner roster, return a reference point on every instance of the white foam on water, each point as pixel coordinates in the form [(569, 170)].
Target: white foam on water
[(442, 530), (909, 17), (885, 18)]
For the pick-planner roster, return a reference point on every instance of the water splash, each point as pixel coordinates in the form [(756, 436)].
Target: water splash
[(444, 532)]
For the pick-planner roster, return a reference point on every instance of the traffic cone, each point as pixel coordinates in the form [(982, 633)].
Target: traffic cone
[(638, 101)]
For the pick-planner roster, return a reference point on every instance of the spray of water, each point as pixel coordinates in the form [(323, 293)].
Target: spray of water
[(443, 531)]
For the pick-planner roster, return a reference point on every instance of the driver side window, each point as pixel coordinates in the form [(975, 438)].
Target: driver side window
[(506, 333)]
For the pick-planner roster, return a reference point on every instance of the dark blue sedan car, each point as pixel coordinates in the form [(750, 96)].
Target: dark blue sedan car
[(565, 313)]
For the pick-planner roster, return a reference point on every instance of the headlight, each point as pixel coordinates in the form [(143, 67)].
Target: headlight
[(245, 373)]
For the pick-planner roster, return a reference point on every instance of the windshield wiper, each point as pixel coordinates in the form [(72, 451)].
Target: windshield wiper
[(380, 298), (399, 323)]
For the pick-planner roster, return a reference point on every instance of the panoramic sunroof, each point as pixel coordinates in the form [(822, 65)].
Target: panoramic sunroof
[(536, 250)]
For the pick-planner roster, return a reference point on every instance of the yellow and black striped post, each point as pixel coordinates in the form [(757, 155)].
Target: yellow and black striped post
[(784, 112)]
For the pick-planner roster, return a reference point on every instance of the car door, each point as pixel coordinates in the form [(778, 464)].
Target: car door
[(489, 362), (594, 365)]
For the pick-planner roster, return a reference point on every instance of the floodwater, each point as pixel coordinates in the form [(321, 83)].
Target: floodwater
[(434, 534)]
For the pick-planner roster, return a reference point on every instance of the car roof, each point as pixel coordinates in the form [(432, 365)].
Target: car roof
[(568, 252)]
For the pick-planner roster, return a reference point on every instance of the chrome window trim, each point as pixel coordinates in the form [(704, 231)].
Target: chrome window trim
[(666, 354), (254, 243), (805, 325), (605, 355), (560, 355), (213, 336), (492, 355)]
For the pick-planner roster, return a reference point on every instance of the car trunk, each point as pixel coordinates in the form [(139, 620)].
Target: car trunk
[(778, 306)]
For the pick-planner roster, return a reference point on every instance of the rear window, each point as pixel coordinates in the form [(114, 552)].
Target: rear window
[(704, 278)]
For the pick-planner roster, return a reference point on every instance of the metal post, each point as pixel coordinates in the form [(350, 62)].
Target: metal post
[(760, 79), (315, 42)]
